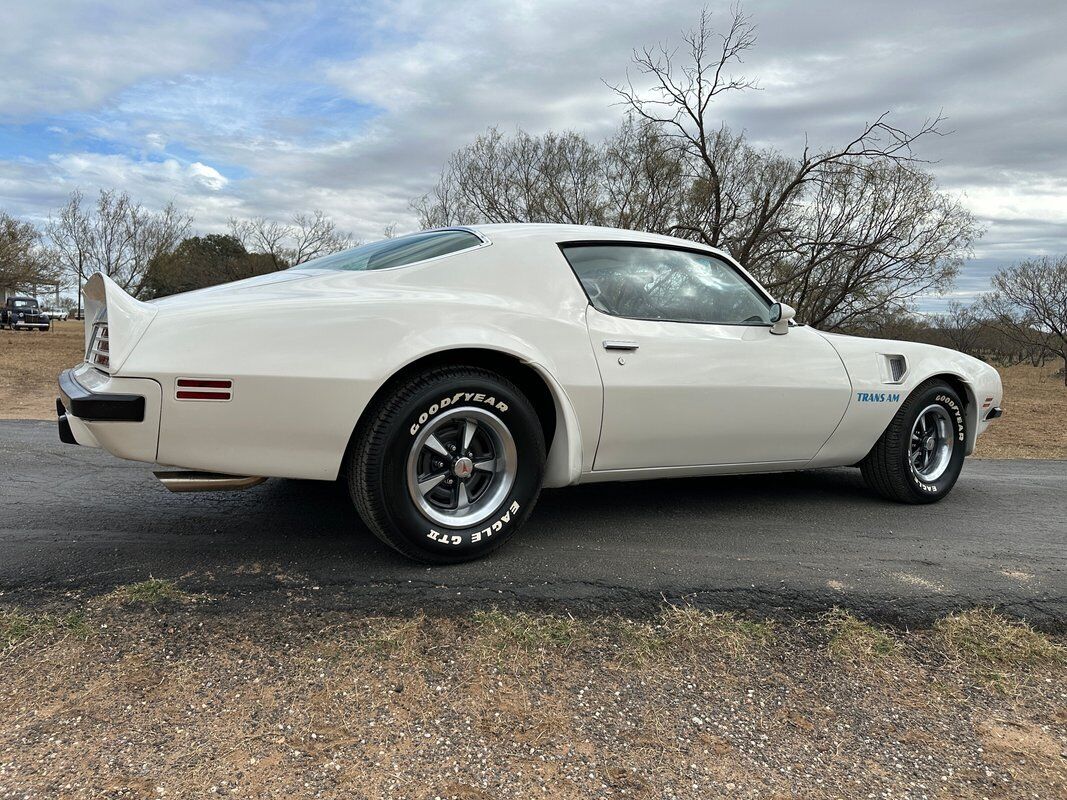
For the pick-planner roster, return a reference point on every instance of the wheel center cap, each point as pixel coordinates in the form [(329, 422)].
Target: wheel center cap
[(463, 467), (929, 443)]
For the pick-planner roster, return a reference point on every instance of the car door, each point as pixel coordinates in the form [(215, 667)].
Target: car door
[(692, 373)]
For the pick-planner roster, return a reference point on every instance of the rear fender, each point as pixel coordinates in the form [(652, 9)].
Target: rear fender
[(127, 318)]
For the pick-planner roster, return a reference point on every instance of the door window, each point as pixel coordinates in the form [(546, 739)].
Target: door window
[(660, 283)]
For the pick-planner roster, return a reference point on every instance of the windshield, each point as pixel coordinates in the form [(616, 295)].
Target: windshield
[(24, 303), (396, 252)]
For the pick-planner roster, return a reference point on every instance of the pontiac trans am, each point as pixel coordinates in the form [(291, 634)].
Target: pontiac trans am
[(447, 376)]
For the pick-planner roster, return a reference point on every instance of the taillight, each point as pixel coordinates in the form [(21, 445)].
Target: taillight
[(99, 351)]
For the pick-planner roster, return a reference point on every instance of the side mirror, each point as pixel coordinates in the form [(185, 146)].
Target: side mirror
[(780, 316)]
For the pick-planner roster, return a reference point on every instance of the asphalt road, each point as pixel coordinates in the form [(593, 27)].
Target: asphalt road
[(78, 521)]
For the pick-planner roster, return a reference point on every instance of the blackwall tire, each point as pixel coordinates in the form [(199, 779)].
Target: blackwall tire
[(449, 465), (919, 457)]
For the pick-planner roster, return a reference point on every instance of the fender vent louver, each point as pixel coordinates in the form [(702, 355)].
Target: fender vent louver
[(897, 367)]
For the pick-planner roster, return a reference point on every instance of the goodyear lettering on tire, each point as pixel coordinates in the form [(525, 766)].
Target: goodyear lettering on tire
[(458, 397)]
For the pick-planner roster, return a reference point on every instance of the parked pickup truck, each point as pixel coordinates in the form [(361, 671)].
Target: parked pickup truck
[(23, 313)]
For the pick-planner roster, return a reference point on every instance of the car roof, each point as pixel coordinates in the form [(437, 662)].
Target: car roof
[(578, 233)]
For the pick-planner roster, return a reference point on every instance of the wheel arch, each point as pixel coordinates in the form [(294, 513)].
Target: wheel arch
[(554, 411), (963, 388)]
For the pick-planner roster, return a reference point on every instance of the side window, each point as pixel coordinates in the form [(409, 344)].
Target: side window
[(663, 284), (397, 252)]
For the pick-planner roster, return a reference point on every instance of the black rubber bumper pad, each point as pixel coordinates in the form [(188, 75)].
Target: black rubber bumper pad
[(98, 406)]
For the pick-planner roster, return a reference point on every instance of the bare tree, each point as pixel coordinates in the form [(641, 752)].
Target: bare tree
[(69, 235), (962, 326), (116, 236), (1028, 305), (304, 237), (840, 232), (628, 181), (23, 261)]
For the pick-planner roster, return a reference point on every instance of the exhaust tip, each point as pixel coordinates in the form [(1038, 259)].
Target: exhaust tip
[(187, 481)]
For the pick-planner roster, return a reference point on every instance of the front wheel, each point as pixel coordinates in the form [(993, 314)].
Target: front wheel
[(920, 455), (449, 465)]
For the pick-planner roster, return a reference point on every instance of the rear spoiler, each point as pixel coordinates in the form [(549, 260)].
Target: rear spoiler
[(127, 318)]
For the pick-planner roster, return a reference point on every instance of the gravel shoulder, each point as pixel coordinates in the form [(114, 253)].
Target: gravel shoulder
[(154, 692)]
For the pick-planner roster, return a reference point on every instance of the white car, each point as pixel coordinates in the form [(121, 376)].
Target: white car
[(447, 376)]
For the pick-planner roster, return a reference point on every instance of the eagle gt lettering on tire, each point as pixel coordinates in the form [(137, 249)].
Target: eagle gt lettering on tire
[(449, 464)]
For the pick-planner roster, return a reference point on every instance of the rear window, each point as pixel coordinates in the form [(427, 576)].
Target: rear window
[(396, 252)]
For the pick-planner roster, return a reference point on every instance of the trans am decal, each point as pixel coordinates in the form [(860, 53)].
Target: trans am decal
[(878, 397)]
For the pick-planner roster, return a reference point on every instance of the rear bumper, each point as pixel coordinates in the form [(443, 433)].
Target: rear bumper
[(98, 406), (120, 415)]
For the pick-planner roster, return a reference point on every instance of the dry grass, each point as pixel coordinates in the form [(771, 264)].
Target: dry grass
[(17, 626), (29, 364), (984, 639), (191, 701), (684, 631), (151, 592), (1035, 410), (853, 640), (1035, 399)]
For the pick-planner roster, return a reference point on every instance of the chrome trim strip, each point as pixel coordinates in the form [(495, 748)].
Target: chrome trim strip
[(611, 344)]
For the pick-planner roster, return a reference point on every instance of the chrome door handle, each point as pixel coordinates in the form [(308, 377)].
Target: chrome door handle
[(610, 344)]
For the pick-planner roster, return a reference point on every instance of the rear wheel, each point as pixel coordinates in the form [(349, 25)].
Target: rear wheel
[(449, 465), (919, 457)]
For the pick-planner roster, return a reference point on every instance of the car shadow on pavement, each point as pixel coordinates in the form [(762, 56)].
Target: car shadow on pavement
[(318, 510)]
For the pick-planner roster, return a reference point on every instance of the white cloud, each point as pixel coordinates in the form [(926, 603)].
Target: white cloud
[(208, 177), (274, 108), (58, 57)]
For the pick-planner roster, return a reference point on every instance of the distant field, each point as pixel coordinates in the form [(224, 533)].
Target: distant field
[(1033, 425), (29, 364)]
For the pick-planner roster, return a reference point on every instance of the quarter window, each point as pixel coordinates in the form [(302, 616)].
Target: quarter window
[(397, 252), (665, 284)]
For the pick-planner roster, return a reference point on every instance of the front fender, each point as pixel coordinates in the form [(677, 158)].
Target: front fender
[(876, 397)]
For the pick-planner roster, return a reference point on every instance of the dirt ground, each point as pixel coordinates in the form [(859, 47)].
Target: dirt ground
[(29, 364), (1035, 399), (153, 694), (1034, 424)]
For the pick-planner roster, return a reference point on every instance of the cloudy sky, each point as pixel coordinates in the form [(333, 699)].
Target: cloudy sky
[(271, 107)]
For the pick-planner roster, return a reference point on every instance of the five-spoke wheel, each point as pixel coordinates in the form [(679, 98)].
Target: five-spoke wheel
[(461, 466), (932, 441), (919, 456), (448, 465)]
